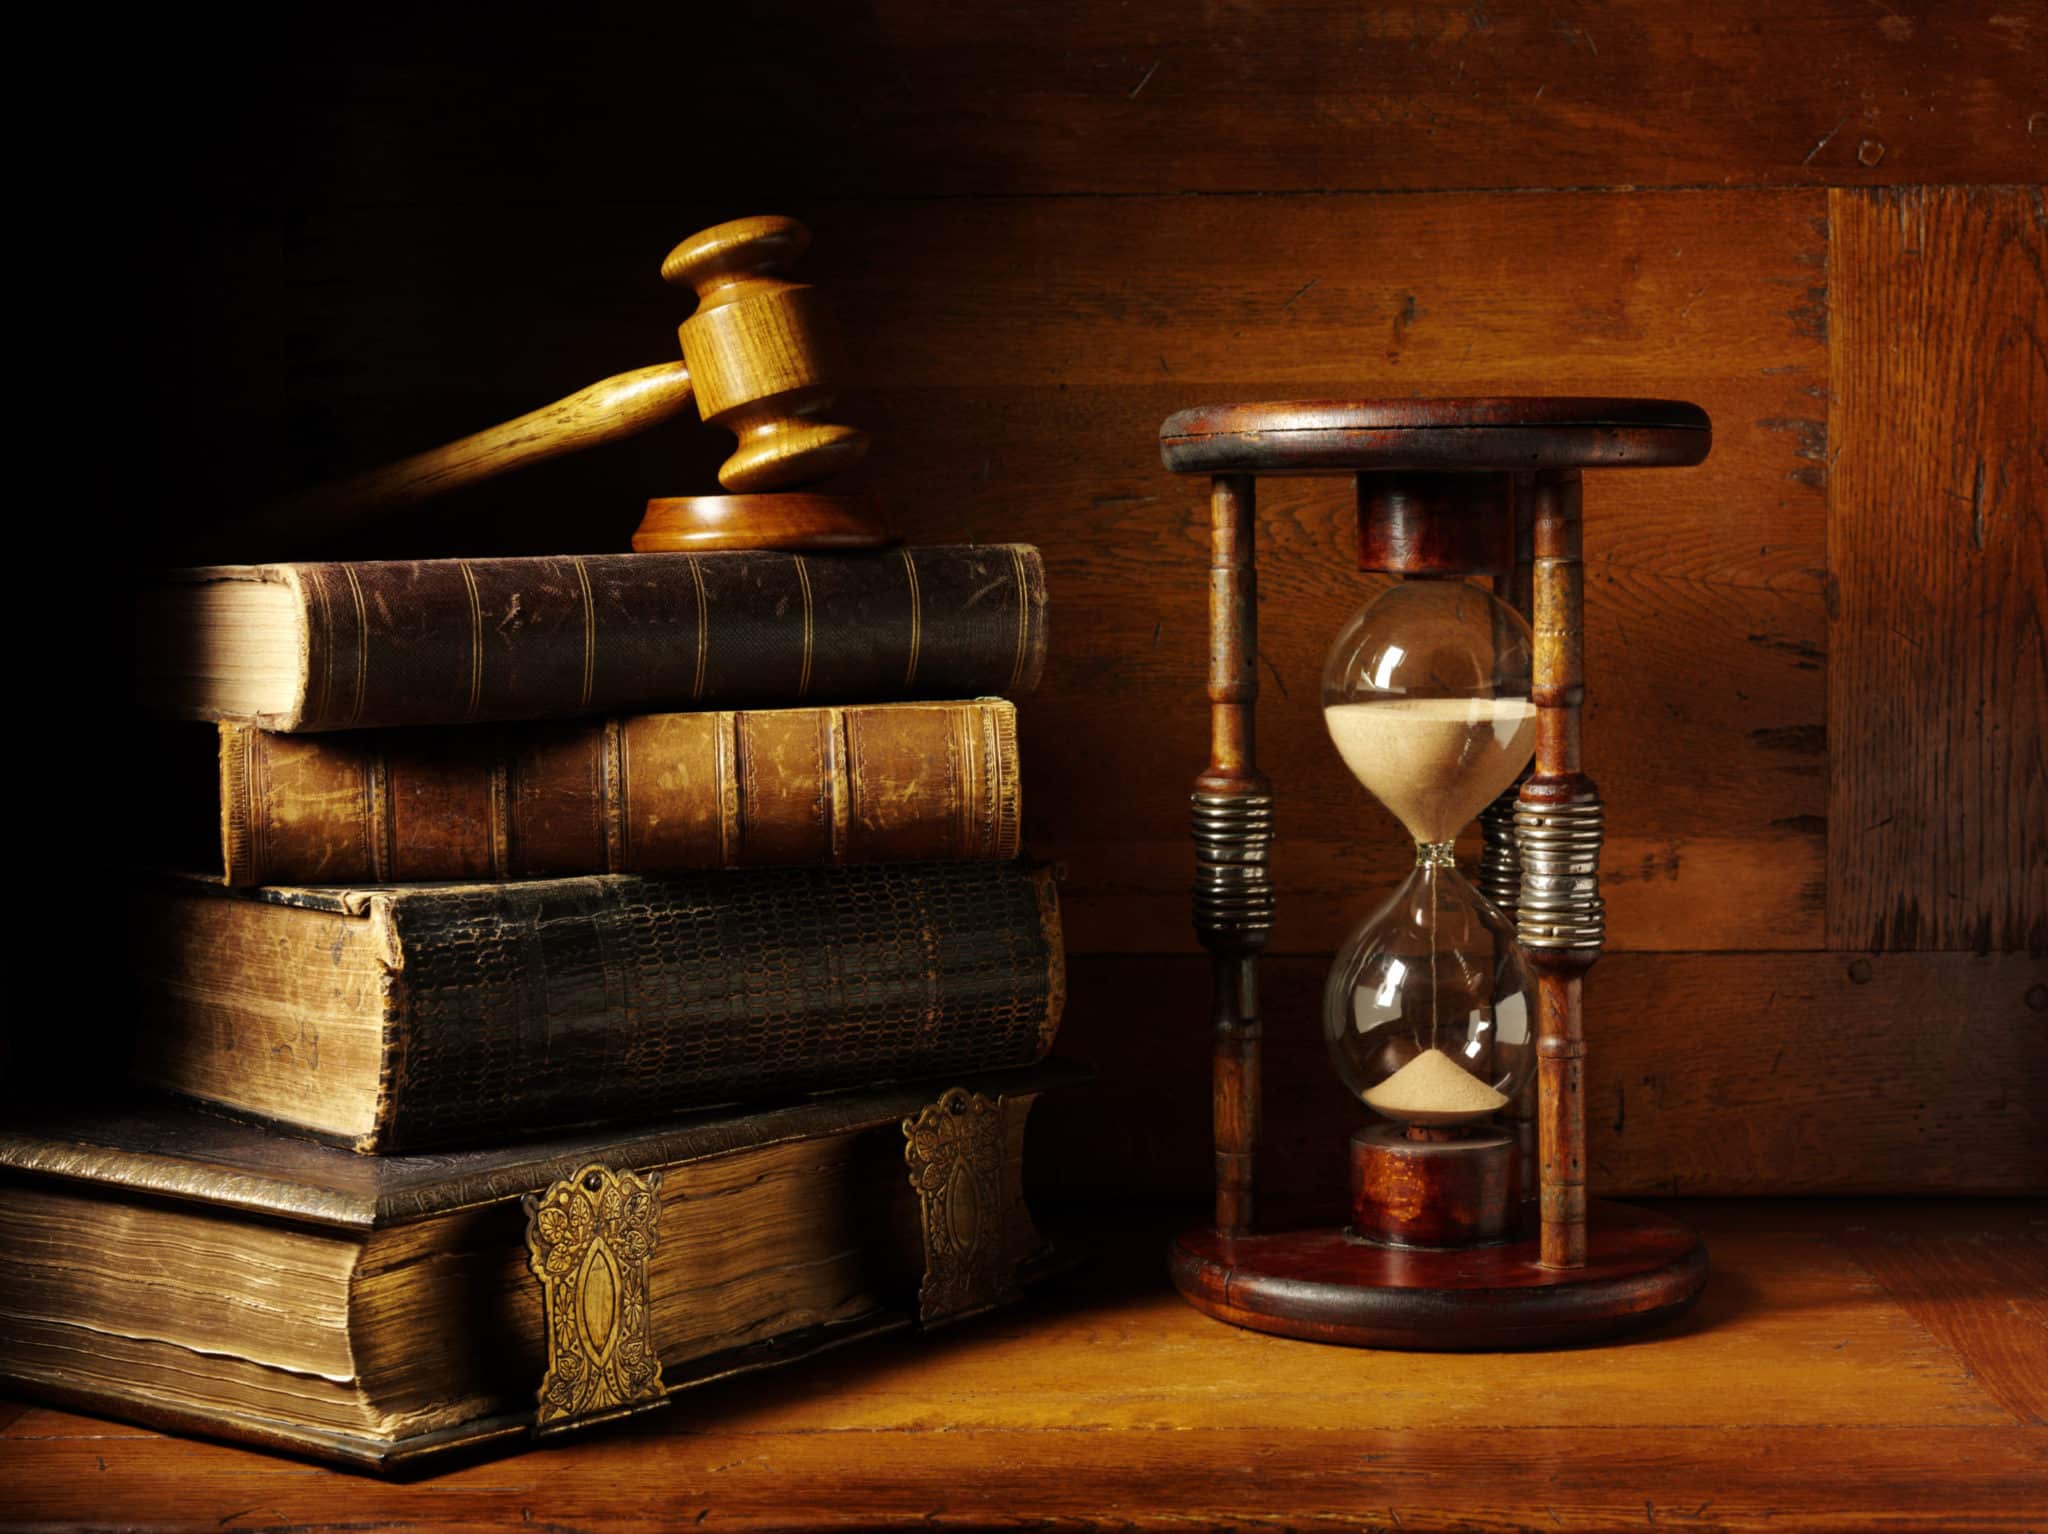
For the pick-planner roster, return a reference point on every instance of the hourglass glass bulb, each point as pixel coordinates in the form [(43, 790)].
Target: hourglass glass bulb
[(1428, 1009), (1426, 695)]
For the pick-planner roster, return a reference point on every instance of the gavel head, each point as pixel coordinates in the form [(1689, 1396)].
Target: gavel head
[(762, 354)]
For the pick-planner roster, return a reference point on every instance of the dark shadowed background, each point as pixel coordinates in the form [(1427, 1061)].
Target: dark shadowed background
[(1817, 667)]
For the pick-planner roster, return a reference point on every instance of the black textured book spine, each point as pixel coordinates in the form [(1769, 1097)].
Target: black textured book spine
[(533, 1006)]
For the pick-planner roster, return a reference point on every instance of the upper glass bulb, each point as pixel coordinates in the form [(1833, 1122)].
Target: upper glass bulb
[(1426, 693)]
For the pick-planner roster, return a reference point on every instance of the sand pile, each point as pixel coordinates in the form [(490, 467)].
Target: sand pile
[(1433, 1088)]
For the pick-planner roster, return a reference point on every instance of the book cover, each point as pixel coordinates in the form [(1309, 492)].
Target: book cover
[(412, 1016), (381, 1311)]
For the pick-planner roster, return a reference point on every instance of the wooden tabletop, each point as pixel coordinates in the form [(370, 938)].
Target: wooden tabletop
[(1852, 1365)]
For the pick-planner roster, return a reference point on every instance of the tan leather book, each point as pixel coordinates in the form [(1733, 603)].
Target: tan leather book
[(889, 782), (466, 641), (166, 1265), (415, 1016)]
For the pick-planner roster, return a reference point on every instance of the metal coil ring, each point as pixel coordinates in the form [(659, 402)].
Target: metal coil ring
[(1559, 904), (1500, 864), (1233, 838)]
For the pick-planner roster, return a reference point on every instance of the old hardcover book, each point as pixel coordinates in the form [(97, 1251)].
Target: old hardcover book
[(457, 641), (169, 1266), (646, 794), (415, 1016)]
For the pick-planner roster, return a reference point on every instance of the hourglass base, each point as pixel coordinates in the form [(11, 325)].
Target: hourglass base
[(1326, 1286)]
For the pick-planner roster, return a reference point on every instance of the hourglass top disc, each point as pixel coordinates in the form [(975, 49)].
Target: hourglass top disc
[(1496, 433)]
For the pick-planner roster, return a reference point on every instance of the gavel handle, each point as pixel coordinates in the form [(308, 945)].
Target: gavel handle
[(607, 411)]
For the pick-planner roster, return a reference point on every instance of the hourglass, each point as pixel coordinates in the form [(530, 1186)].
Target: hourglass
[(1452, 1013), (1428, 1009)]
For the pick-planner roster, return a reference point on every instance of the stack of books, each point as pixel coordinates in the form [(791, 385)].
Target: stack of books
[(614, 976)]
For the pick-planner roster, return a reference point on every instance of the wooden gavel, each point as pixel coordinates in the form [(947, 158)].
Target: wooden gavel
[(759, 357)]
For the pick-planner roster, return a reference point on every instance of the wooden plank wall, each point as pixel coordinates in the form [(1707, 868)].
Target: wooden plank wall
[(1817, 662)]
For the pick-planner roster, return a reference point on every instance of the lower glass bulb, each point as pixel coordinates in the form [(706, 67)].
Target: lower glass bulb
[(1429, 1008)]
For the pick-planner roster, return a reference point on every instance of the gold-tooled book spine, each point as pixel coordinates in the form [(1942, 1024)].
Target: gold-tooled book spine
[(650, 794)]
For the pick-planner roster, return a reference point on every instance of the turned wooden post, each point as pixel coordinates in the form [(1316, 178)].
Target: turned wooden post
[(1558, 825), (1233, 821)]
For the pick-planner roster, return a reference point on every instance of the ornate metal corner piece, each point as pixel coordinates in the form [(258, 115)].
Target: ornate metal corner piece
[(588, 1239), (954, 1149)]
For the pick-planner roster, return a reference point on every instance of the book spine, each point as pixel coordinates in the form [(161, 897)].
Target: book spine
[(540, 1006), (655, 793), (462, 641)]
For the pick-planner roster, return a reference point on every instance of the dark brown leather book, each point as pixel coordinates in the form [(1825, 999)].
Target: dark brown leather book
[(458, 641), (169, 1266), (887, 782), (405, 1017)]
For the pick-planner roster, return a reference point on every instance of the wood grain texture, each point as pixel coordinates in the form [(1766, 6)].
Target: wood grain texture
[(1562, 934), (607, 411), (1938, 628), (1345, 436), (1319, 94), (790, 519), (763, 354), (1711, 1073), (1802, 1391), (908, 97), (1631, 1269), (1456, 1190), (1629, 1479), (1939, 1273)]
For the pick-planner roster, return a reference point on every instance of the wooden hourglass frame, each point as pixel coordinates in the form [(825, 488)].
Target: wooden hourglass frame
[(1447, 488)]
